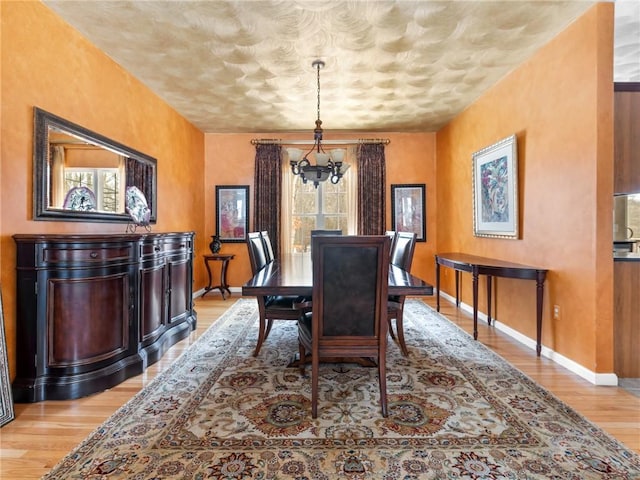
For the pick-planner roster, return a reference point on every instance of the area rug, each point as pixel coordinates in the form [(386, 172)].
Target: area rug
[(456, 411)]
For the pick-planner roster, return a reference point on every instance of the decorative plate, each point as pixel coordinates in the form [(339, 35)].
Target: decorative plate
[(136, 205), (81, 199)]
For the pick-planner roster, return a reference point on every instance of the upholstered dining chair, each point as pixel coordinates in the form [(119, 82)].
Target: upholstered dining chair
[(273, 307), (348, 310), (401, 256)]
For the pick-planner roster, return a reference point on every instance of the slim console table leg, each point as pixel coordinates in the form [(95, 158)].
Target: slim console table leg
[(489, 282), (540, 277), (457, 274), (223, 278), (475, 303), (437, 286)]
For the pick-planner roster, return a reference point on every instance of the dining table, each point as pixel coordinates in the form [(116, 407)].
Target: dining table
[(292, 275)]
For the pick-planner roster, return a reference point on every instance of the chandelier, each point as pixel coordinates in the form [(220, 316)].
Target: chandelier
[(328, 165)]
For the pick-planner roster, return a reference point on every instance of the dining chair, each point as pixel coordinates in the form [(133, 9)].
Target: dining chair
[(268, 246), (271, 307), (401, 256), (347, 317)]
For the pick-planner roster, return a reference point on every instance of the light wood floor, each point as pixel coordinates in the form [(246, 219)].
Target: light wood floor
[(43, 433)]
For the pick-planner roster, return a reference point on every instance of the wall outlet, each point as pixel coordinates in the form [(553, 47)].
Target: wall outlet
[(556, 312)]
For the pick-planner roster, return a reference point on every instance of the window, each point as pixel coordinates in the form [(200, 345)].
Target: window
[(313, 208), (103, 182), (306, 208)]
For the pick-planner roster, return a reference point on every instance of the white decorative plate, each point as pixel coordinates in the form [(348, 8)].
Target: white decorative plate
[(137, 207), (81, 199)]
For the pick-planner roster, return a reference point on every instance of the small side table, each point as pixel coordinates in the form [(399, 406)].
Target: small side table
[(220, 257)]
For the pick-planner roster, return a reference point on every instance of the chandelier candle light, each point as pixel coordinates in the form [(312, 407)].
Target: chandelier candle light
[(328, 165)]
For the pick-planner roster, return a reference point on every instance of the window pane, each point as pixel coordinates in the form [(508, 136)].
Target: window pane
[(110, 189), (302, 226), (305, 198)]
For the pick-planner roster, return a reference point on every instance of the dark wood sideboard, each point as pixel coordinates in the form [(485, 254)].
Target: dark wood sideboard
[(94, 310)]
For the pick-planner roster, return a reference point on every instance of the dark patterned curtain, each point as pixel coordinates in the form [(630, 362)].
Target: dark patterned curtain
[(371, 189), (266, 203), (140, 174)]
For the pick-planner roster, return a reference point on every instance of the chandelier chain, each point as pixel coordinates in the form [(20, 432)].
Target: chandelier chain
[(318, 65)]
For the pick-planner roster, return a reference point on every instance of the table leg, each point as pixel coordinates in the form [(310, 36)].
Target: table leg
[(489, 282), (457, 274), (223, 278), (540, 276), (208, 288), (475, 303), (437, 286)]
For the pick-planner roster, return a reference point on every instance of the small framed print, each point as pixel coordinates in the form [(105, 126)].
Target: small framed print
[(408, 210), (495, 190), (232, 213)]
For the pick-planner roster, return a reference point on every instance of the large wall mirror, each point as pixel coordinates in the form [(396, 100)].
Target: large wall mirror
[(80, 175)]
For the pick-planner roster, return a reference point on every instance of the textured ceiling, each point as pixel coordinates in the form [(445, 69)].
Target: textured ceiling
[(245, 66)]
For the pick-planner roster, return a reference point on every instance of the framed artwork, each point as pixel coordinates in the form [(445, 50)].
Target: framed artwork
[(495, 190), (6, 400), (232, 212), (408, 210)]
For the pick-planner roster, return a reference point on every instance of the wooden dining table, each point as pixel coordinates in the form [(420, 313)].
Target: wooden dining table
[(292, 275)]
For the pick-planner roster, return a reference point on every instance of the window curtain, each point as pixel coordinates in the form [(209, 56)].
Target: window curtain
[(57, 176), (371, 189), (267, 196), (351, 181), (140, 175)]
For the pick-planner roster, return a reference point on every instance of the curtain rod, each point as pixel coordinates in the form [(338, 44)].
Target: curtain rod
[(277, 141)]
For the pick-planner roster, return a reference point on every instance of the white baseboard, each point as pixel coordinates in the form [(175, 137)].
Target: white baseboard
[(604, 379)]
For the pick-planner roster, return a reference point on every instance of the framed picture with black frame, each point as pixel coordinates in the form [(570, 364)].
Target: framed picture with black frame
[(408, 209), (232, 213), (495, 190)]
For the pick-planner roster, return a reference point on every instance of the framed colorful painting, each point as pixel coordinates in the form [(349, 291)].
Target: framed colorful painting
[(232, 212), (408, 211), (495, 190)]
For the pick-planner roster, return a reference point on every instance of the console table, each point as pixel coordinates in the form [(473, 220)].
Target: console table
[(462, 262), (220, 257)]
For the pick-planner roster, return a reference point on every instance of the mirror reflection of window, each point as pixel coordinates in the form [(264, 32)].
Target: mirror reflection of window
[(627, 217), (103, 182)]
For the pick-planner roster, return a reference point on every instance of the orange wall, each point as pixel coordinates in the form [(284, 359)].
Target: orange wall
[(46, 63), (410, 158), (560, 105)]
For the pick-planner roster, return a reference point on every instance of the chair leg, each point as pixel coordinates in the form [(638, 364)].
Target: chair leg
[(382, 378), (261, 336), (269, 325), (393, 337), (315, 368), (400, 329), (301, 357)]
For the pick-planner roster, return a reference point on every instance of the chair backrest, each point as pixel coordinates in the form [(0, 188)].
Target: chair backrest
[(392, 235), (350, 285), (402, 253), (317, 233), (268, 247), (257, 254)]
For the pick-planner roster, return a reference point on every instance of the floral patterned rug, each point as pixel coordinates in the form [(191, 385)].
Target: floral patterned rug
[(456, 411)]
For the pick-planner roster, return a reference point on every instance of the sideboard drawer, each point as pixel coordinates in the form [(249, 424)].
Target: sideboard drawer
[(81, 255)]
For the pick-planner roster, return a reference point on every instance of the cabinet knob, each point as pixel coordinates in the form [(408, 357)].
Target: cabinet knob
[(93, 254), (157, 249)]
